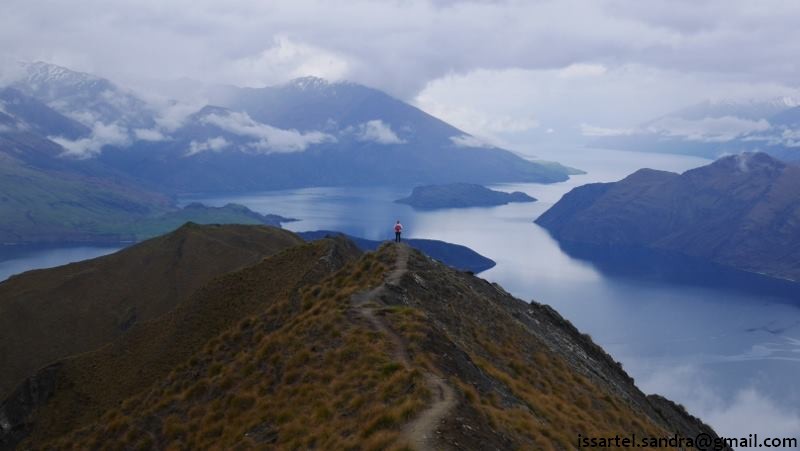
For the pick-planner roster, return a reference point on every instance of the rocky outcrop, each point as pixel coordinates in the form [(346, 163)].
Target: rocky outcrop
[(17, 410)]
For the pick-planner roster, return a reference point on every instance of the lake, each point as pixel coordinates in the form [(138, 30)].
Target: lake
[(730, 352), (20, 258), (730, 355)]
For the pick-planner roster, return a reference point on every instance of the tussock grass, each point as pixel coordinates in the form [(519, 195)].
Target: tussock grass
[(321, 379)]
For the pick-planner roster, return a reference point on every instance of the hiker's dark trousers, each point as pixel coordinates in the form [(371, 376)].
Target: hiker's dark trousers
[(396, 237)]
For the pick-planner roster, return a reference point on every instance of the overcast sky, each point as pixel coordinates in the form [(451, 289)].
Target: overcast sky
[(497, 69)]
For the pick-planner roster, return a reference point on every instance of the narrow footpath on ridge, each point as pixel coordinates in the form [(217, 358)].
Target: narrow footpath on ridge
[(419, 432)]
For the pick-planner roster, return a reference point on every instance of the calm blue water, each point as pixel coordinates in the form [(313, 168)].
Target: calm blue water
[(730, 355), (18, 259)]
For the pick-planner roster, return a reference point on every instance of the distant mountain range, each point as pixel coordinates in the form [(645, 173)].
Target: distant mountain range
[(307, 132), (230, 337), (83, 159), (460, 195), (713, 129), (741, 211)]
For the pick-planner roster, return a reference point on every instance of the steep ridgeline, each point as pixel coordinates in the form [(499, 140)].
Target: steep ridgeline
[(455, 255), (460, 195), (50, 314), (318, 347), (741, 211)]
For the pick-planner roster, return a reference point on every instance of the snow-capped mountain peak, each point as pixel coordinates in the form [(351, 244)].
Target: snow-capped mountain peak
[(309, 83), (41, 73)]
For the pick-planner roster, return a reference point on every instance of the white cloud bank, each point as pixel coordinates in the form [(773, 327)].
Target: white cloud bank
[(610, 63), (212, 144), (286, 59), (709, 129), (377, 131), (149, 134), (470, 141), (595, 131), (268, 139), (747, 410), (102, 135)]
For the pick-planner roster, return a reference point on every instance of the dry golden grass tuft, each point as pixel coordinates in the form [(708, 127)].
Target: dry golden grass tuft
[(306, 370), (554, 402), (320, 379)]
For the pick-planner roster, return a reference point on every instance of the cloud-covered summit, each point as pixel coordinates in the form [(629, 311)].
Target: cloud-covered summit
[(563, 63)]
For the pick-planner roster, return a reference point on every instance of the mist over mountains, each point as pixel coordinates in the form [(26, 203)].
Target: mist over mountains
[(307, 132), (715, 128)]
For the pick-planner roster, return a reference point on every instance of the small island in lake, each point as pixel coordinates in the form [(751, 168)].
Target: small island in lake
[(460, 195)]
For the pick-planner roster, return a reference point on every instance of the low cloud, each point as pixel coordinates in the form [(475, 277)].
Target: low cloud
[(213, 144), (790, 137), (102, 135), (582, 71), (149, 134), (747, 409), (10, 70), (781, 136), (710, 129), (171, 115), (86, 118), (470, 141), (475, 120), (269, 139), (594, 131), (379, 132), (286, 58)]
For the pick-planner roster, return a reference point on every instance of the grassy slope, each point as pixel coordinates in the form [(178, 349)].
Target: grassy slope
[(102, 379), (53, 313), (517, 390), (304, 370), (37, 205), (198, 214)]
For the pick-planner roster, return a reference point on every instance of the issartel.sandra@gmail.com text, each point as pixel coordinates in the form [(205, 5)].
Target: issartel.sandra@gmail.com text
[(701, 441)]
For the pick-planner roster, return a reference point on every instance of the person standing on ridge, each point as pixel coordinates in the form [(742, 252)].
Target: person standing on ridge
[(398, 229)]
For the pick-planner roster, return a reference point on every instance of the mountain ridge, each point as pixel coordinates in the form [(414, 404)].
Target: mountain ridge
[(388, 349), (740, 211), (109, 294), (313, 133)]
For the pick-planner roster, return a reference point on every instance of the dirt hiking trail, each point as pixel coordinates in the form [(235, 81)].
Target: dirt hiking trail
[(420, 432)]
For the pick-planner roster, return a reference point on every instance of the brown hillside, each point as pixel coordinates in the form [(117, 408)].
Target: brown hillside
[(394, 351), (50, 314), (86, 385)]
